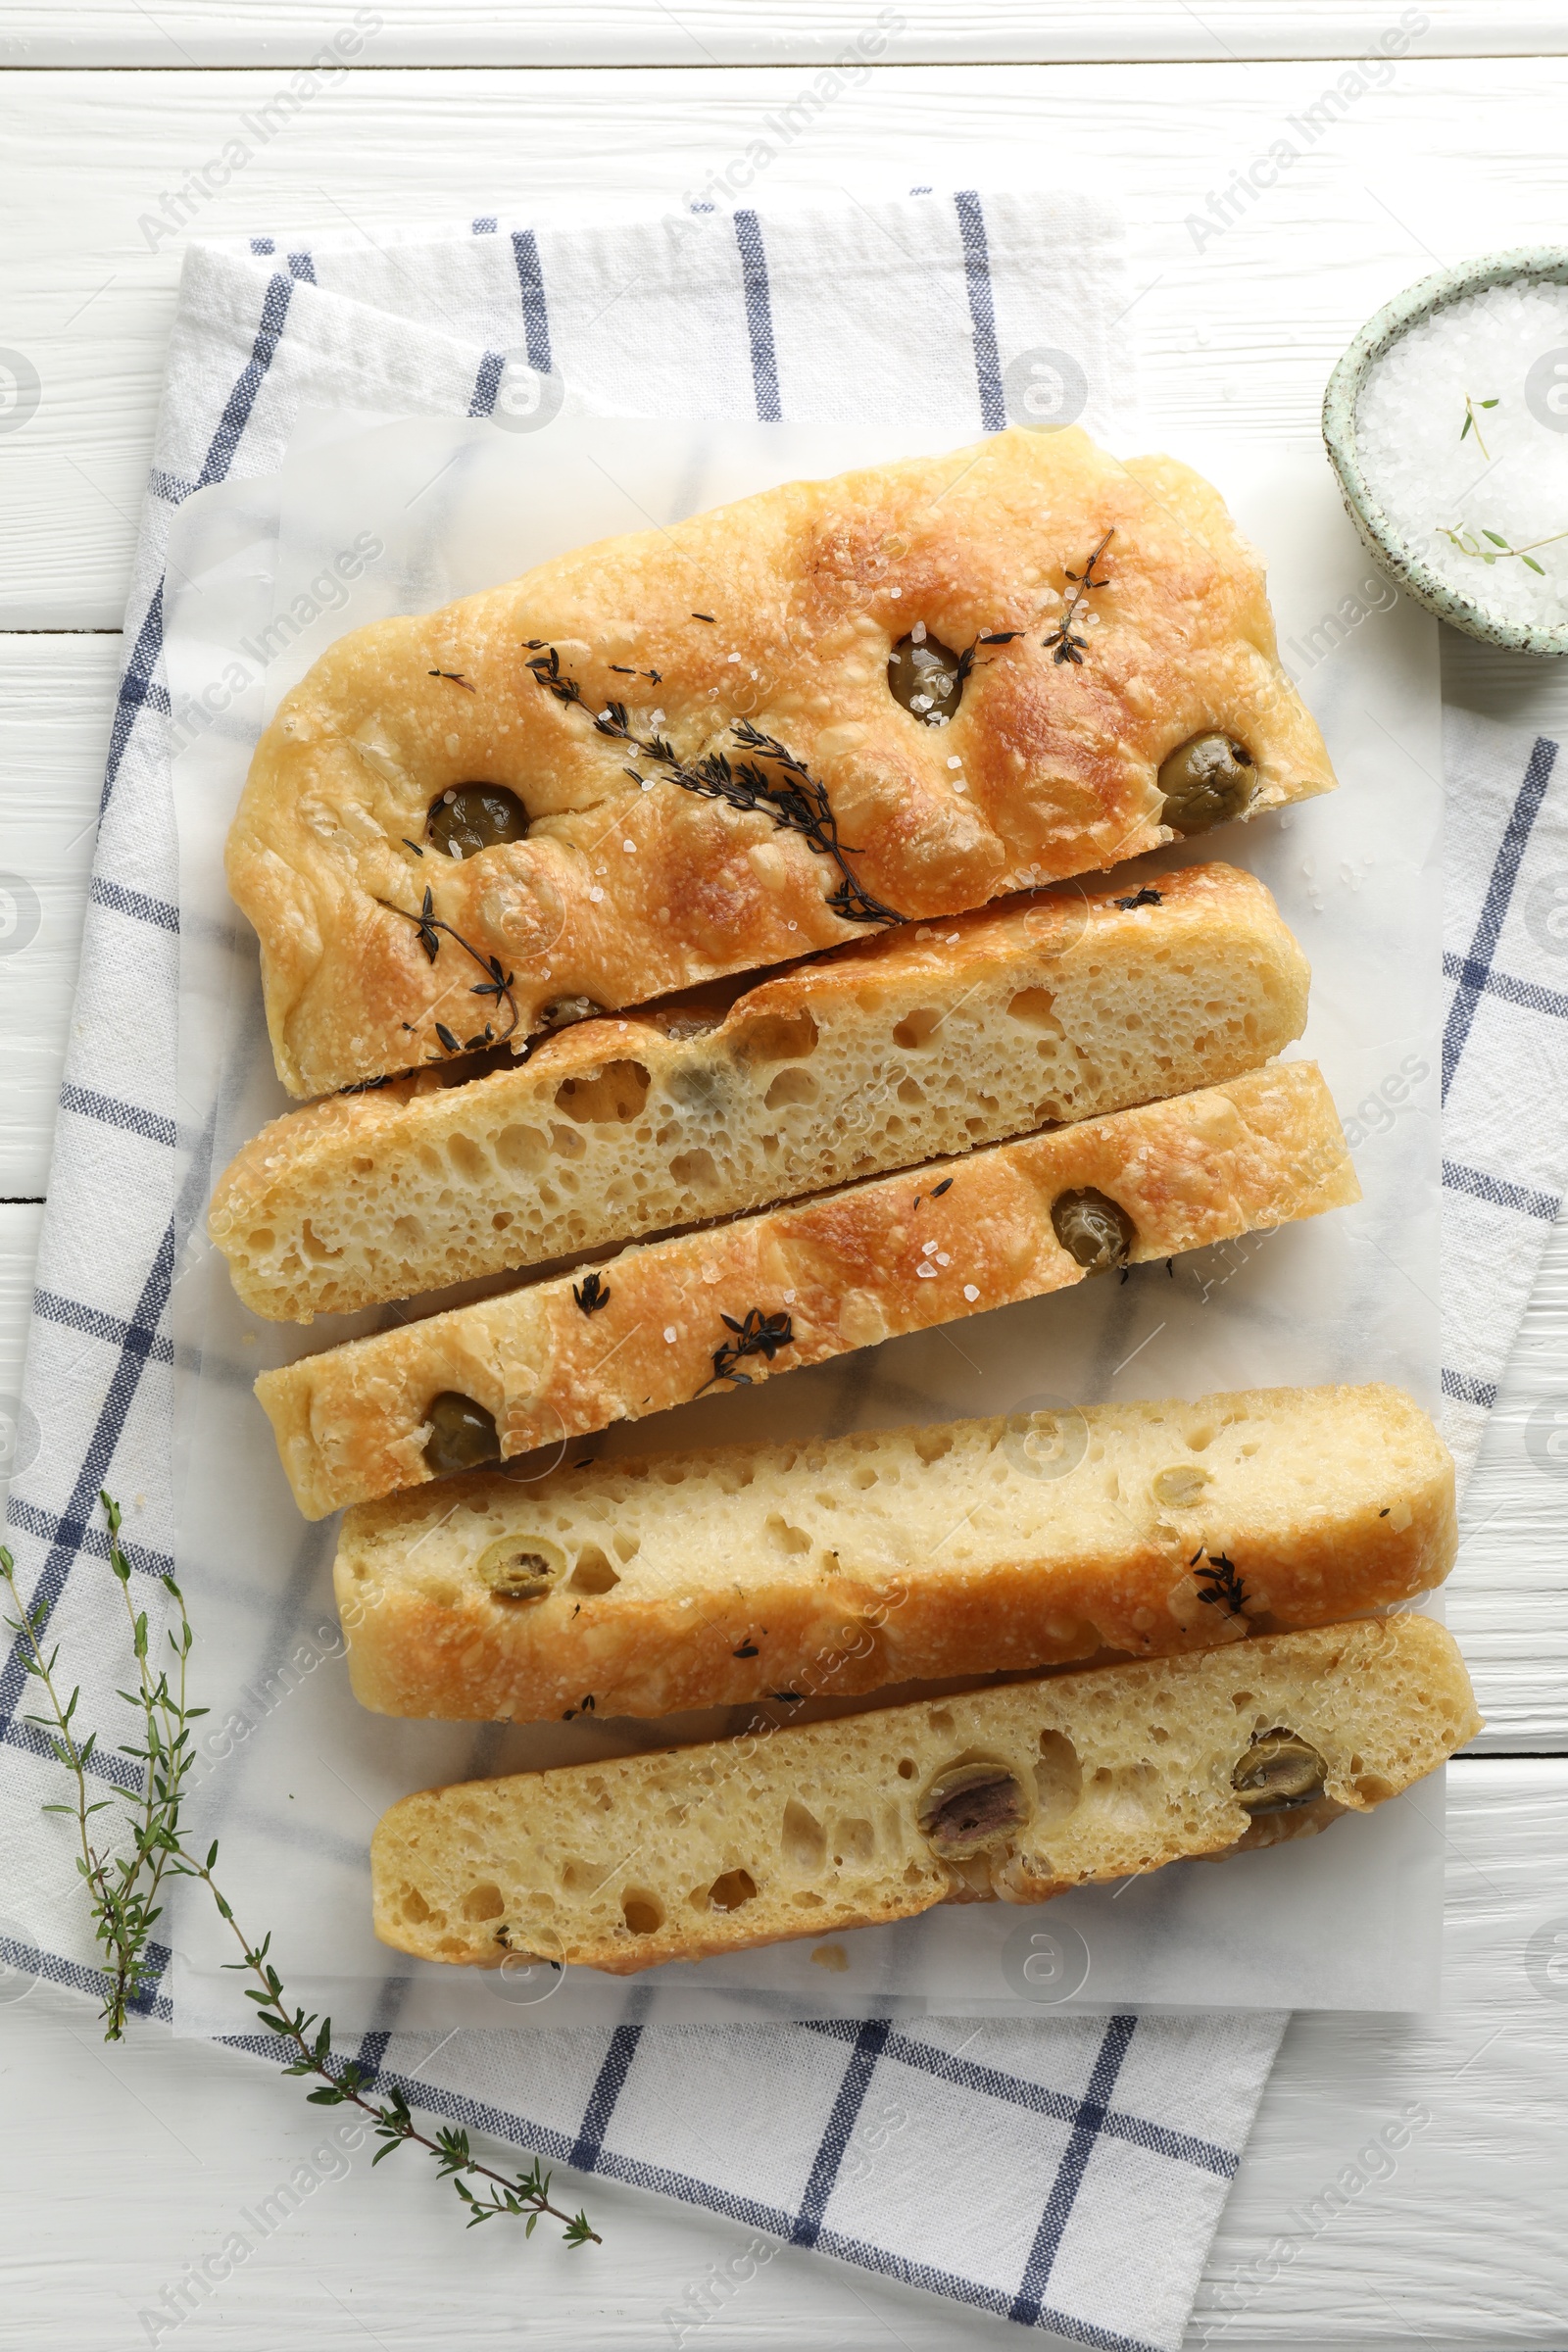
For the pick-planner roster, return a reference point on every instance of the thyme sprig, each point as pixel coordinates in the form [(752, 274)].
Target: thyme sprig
[(759, 1335), (1070, 647), (1226, 1590), (1469, 545), (795, 799), (124, 1879), (496, 983), (1472, 422)]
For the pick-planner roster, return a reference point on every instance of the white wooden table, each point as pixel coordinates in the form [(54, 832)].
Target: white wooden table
[(125, 2166)]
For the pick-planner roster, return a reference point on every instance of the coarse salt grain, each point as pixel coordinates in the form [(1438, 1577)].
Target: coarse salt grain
[(671, 1334), (1410, 417), (595, 894), (970, 1293), (926, 1273)]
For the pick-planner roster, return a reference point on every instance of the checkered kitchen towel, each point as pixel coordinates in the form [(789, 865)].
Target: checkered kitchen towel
[(1504, 1051), (1093, 2153)]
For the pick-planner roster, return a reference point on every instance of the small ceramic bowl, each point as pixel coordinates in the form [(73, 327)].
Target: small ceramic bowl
[(1384, 544)]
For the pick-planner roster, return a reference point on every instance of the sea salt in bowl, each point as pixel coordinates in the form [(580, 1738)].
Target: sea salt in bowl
[(1447, 423)]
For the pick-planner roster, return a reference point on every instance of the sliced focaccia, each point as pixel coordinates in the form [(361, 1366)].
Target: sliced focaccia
[(899, 693), (670, 1319), (844, 1564), (925, 1041), (1017, 1793)]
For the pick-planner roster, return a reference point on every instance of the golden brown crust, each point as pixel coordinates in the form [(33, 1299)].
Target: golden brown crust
[(632, 1860), (811, 585), (842, 1271), (845, 1565), (923, 1042)]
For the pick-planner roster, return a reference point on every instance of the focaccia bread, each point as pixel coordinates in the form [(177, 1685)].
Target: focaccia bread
[(899, 693), (844, 1564), (1017, 1792), (924, 1041), (668, 1320)]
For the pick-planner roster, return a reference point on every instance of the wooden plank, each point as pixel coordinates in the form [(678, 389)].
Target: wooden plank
[(1238, 327), (1459, 2244), (1507, 1600), (55, 700), (627, 32)]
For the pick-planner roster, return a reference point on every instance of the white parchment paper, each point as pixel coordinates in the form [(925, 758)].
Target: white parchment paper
[(368, 518)]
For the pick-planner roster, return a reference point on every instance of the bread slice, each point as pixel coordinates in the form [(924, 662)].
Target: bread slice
[(680, 793), (844, 1564), (1017, 1792), (924, 1041), (670, 1319)]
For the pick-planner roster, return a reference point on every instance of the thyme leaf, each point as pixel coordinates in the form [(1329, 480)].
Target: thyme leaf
[(1472, 422), (1226, 1590), (759, 1335), (124, 1877), (591, 1294)]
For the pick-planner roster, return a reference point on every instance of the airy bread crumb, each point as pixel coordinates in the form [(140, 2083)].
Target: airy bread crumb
[(844, 1564), (839, 1272), (927, 1042), (624, 1863)]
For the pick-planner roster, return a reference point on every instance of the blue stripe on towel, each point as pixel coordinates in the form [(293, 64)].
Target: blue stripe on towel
[(1457, 1178), (1499, 889), (531, 287), (487, 383), (1087, 2127), (982, 309), (758, 316), (870, 2043)]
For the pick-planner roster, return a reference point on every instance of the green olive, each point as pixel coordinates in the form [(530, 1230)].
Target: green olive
[(566, 1011), (970, 1807), (1205, 781), (463, 1435), (512, 1571), (926, 677), (1278, 1772), (470, 817), (1093, 1229)]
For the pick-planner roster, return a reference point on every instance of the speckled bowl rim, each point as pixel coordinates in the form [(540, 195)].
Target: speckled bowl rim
[(1546, 264)]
